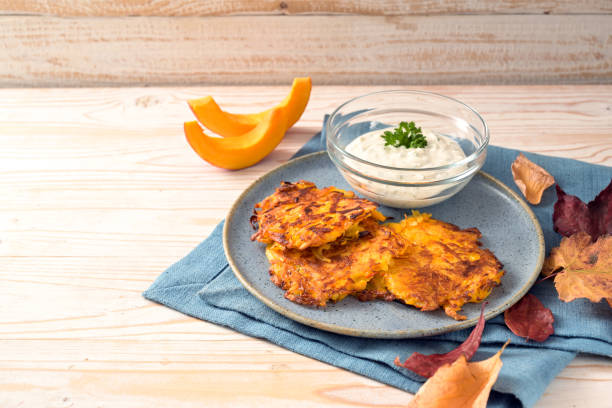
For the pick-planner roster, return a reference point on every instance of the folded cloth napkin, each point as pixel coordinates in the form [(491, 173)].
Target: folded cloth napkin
[(203, 285)]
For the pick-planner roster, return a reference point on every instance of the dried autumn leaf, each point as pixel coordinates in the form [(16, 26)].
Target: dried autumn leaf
[(427, 365), (460, 384), (572, 215), (586, 267), (530, 178), (530, 319)]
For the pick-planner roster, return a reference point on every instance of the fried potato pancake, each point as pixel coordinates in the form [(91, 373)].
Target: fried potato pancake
[(298, 215), (315, 276), (441, 266)]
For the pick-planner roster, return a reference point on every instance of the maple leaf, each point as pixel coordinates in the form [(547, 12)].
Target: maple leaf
[(530, 319), (460, 384), (572, 215), (530, 178), (585, 268), (426, 365)]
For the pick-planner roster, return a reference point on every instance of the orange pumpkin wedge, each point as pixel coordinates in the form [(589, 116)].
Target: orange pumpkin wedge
[(225, 124), (228, 124), (241, 151)]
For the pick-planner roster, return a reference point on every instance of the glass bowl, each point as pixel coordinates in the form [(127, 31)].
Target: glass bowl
[(405, 187)]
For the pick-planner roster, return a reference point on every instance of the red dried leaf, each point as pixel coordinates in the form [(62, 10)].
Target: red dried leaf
[(427, 365), (530, 319), (571, 215)]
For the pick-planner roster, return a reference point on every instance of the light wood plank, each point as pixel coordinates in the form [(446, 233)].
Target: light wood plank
[(124, 8), (50, 51), (100, 193)]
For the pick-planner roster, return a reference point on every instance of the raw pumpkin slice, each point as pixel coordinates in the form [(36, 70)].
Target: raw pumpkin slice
[(210, 115), (228, 124), (295, 103), (240, 151)]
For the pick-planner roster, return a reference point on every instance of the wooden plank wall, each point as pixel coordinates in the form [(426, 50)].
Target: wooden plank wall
[(190, 42)]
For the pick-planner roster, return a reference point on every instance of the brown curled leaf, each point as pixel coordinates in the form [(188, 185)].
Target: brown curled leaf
[(571, 214), (530, 178), (584, 268), (426, 365), (530, 319), (460, 384)]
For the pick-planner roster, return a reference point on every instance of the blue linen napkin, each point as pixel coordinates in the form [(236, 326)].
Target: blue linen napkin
[(203, 285)]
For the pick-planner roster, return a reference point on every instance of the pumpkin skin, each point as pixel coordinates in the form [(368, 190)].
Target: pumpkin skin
[(242, 151), (226, 124)]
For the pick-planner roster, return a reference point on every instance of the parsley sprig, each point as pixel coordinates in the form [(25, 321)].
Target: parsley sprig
[(405, 134)]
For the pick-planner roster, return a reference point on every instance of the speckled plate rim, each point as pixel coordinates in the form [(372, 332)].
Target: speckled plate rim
[(396, 334)]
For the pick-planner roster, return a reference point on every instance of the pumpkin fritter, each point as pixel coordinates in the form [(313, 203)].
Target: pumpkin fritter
[(441, 266), (298, 215), (315, 276)]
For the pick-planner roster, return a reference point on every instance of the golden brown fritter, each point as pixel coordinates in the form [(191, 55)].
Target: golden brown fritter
[(298, 215), (441, 266), (315, 276), (324, 244)]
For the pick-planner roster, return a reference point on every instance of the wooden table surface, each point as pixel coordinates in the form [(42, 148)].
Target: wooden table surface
[(99, 193)]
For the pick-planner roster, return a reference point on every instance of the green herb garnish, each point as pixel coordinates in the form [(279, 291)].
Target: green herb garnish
[(406, 134)]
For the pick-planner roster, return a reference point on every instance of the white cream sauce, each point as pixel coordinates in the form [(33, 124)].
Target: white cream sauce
[(440, 151)]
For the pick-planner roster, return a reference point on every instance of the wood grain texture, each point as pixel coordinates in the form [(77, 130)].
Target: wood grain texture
[(124, 8), (100, 193), (51, 51)]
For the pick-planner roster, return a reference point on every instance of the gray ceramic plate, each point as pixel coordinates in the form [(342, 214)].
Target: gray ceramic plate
[(508, 226)]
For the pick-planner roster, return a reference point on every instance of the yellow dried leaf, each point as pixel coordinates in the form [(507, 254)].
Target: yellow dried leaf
[(586, 267), (530, 178), (460, 384)]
